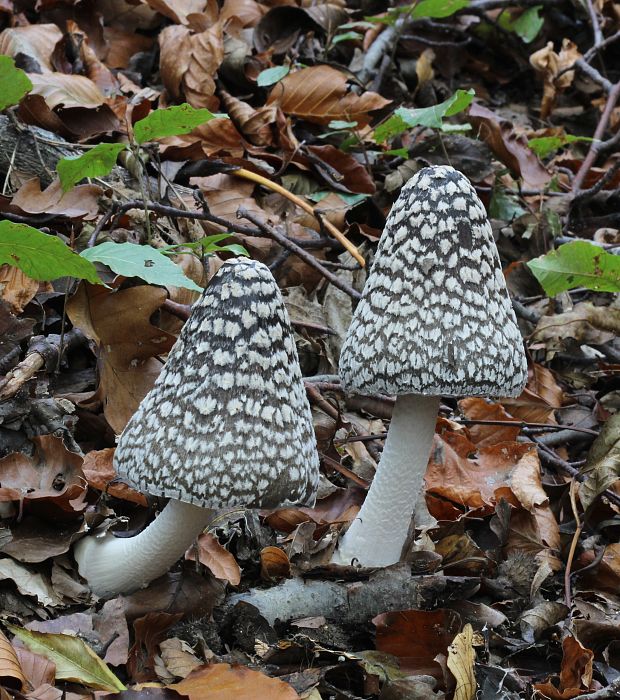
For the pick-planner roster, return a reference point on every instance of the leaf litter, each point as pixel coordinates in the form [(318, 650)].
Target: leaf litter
[(515, 590)]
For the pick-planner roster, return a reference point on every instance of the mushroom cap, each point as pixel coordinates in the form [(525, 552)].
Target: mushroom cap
[(227, 422), (435, 316)]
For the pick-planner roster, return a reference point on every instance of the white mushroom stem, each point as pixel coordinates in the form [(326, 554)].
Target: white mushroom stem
[(378, 533), (113, 565)]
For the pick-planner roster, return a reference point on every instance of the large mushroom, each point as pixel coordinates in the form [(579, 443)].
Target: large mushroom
[(435, 319), (226, 424)]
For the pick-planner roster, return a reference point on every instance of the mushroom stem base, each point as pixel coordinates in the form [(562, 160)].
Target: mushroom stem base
[(378, 533), (113, 565)]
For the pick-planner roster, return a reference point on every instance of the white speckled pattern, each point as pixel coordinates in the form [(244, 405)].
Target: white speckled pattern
[(435, 317), (227, 422)]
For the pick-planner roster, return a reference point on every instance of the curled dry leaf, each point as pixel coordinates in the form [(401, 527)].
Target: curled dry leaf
[(509, 147), (119, 322), (178, 657), (274, 564), (177, 10), (220, 562), (540, 398), (461, 661), (100, 474), (416, 637), (485, 435), (36, 41), (553, 68), (223, 682), (16, 288), (52, 477), (508, 470), (254, 124), (11, 673), (249, 12), (67, 90), (575, 674), (81, 202), (319, 94)]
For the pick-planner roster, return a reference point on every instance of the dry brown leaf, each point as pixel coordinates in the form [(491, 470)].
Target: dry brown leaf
[(220, 562), (353, 175), (226, 682), (11, 673), (553, 68), (507, 470), (416, 637), (575, 674), (177, 10), (539, 399), (254, 124), (533, 532), (37, 41), (248, 11), (60, 89), (16, 288), (188, 62), (319, 94), (118, 321), (52, 477), (37, 669), (461, 662), (99, 474), (178, 657), (215, 137), (509, 147), (274, 564), (484, 435), (82, 201)]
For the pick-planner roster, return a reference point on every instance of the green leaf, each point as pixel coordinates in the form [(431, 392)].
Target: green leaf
[(577, 264), (172, 121), (271, 76), (143, 261), (529, 24), (96, 162), (546, 145), (347, 36), (14, 83), (438, 8), (210, 244), (340, 125), (431, 117), (75, 661), (505, 205), (40, 256)]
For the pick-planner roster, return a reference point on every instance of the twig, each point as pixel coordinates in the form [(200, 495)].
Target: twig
[(568, 596), (526, 425), (302, 204), (596, 27), (591, 72), (590, 53), (592, 154), (583, 195), (347, 473), (285, 242)]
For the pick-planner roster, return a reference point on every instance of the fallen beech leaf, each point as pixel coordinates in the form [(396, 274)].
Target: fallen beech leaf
[(16, 288), (28, 582), (100, 473), (575, 674), (38, 670), (509, 147), (319, 94), (226, 682), (539, 399), (36, 41), (602, 468), (60, 89), (178, 657), (75, 661), (274, 564), (11, 673), (220, 562), (81, 201), (177, 10), (416, 637), (461, 661), (484, 435)]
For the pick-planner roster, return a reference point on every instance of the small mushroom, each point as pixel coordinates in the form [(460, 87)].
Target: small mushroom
[(226, 424), (435, 319)]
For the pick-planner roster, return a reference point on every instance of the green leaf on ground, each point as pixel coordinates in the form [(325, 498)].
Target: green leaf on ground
[(41, 256), (577, 264), (171, 121), (143, 261), (210, 244), (431, 117), (527, 25), (505, 205), (546, 145), (271, 76), (14, 83), (347, 36), (438, 8), (96, 162), (75, 661)]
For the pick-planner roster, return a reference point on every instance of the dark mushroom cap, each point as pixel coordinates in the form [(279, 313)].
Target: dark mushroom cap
[(435, 317), (227, 422)]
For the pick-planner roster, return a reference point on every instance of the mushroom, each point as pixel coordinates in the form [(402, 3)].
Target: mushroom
[(435, 319), (226, 424)]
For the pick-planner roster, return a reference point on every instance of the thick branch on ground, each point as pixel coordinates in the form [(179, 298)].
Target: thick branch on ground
[(393, 588)]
